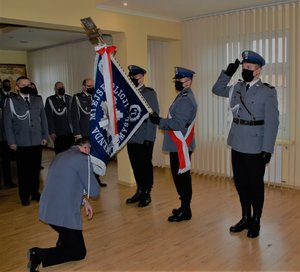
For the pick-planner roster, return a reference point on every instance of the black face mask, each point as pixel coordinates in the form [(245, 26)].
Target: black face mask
[(6, 88), (247, 75), (135, 81), (179, 86), (90, 90), (26, 90), (61, 91)]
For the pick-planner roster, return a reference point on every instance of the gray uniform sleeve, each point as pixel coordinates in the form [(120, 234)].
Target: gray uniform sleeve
[(8, 124), (220, 88), (271, 121), (180, 116)]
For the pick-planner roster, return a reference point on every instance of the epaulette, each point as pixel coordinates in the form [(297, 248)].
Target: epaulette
[(268, 85), (184, 93), (12, 94)]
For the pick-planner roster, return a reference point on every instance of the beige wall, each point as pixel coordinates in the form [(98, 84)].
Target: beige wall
[(130, 34), (13, 57)]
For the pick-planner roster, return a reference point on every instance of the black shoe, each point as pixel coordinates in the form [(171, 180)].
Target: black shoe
[(25, 202), (135, 198), (177, 211), (243, 224), (145, 200), (10, 185), (254, 229), (34, 259), (102, 184), (183, 215)]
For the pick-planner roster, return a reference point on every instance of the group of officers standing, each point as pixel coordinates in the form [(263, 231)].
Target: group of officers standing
[(252, 136), (26, 126)]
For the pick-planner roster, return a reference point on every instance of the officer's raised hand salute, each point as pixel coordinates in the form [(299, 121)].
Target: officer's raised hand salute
[(252, 135), (232, 67)]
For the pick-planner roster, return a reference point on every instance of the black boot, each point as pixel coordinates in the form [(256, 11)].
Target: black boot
[(177, 211), (34, 259), (182, 213), (254, 228), (136, 197), (244, 223), (145, 198)]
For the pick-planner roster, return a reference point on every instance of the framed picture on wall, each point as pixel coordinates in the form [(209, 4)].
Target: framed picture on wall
[(12, 72)]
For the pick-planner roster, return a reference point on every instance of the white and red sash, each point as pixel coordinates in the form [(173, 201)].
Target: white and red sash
[(183, 143)]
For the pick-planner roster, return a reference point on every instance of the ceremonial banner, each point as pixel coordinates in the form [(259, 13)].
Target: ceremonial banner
[(118, 109)]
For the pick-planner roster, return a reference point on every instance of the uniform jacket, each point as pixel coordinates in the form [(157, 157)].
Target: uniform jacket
[(66, 182), (183, 112), (25, 125), (261, 101), (147, 131), (81, 110), (58, 111), (3, 98)]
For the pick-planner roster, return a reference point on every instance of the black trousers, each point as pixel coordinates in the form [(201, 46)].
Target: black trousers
[(28, 160), (140, 156), (6, 158), (63, 143), (183, 182), (248, 173), (69, 247)]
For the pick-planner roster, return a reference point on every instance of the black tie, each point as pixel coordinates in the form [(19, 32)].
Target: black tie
[(247, 87), (27, 101)]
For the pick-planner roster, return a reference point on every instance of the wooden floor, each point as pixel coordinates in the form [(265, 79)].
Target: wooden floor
[(127, 238)]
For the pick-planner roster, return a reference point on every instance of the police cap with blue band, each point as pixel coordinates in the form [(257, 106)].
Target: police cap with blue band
[(135, 70), (181, 72), (253, 57)]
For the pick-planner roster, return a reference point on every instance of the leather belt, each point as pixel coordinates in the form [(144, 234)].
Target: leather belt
[(248, 122)]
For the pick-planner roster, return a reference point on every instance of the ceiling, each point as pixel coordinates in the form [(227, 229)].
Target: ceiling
[(24, 38)]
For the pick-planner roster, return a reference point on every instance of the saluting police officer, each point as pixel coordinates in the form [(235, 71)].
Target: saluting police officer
[(58, 111), (140, 145), (26, 130), (179, 140), (252, 135)]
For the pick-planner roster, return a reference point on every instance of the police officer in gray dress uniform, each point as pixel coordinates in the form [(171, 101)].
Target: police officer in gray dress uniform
[(5, 152), (252, 135), (179, 140), (58, 111), (26, 130), (140, 145)]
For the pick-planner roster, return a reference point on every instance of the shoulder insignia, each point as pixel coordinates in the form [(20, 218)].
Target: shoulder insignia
[(184, 93), (268, 85)]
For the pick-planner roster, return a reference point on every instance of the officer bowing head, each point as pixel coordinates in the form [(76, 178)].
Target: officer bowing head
[(183, 78), (251, 64), (136, 75)]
